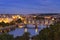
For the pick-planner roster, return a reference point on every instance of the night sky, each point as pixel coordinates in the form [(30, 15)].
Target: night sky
[(29, 6)]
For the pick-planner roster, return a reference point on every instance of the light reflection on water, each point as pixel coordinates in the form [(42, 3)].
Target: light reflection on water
[(20, 32)]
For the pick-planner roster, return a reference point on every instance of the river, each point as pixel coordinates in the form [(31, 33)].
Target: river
[(20, 32)]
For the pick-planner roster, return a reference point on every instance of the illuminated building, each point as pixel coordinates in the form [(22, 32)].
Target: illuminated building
[(6, 20), (53, 19)]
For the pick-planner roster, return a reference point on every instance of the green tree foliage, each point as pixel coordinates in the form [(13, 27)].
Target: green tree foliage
[(6, 37), (12, 23), (4, 24), (18, 20), (25, 36), (35, 37), (51, 33)]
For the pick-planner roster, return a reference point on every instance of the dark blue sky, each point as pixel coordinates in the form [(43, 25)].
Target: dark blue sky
[(29, 6)]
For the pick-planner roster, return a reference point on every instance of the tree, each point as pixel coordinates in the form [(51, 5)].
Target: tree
[(4, 24), (35, 37), (12, 23), (25, 36), (18, 20), (51, 33), (5, 36)]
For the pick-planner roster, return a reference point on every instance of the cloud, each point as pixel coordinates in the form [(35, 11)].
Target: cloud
[(29, 6)]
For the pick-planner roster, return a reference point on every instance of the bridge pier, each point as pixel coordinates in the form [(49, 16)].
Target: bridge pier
[(25, 28), (36, 27)]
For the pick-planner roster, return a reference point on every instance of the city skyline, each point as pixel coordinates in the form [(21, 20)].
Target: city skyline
[(29, 6)]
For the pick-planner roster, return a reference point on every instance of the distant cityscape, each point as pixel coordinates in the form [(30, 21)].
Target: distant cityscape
[(14, 23), (9, 17), (34, 19)]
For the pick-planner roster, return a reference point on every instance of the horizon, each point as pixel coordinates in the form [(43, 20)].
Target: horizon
[(29, 13)]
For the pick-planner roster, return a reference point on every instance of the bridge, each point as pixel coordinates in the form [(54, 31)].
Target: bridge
[(45, 22), (7, 28)]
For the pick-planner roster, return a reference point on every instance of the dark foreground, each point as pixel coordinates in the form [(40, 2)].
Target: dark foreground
[(51, 33)]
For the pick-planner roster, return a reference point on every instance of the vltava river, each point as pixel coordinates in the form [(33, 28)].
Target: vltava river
[(20, 32)]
